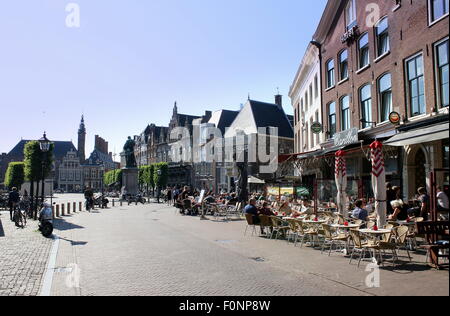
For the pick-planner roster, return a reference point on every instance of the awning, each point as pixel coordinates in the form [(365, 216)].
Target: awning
[(423, 135), (254, 180)]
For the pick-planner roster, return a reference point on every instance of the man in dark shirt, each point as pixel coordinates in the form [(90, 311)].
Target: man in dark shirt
[(13, 200), (252, 209)]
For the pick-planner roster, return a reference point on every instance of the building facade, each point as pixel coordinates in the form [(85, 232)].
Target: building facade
[(70, 176), (382, 61)]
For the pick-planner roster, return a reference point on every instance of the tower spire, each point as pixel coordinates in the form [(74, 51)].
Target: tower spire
[(82, 140)]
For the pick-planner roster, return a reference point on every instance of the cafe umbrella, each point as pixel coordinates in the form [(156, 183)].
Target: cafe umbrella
[(379, 182), (341, 182)]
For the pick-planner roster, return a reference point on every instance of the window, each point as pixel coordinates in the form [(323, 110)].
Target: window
[(306, 101), (382, 31), (365, 96), (311, 122), (363, 51), (442, 52), (330, 73), (343, 65), (438, 9), (416, 85), (316, 87), (385, 95), (295, 116), (311, 94), (332, 118), (350, 14), (345, 113)]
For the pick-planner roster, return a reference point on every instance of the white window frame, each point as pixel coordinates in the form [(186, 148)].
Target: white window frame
[(408, 97), (430, 14), (436, 72)]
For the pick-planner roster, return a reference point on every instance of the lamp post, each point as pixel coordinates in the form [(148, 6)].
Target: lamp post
[(159, 177), (44, 145)]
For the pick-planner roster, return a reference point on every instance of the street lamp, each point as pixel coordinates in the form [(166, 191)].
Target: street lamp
[(159, 189), (44, 144)]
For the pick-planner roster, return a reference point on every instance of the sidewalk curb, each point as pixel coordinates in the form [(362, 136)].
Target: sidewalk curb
[(50, 270)]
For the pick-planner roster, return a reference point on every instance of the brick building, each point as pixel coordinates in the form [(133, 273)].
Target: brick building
[(380, 59)]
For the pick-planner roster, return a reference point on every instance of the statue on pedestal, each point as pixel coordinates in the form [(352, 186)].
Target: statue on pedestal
[(128, 150)]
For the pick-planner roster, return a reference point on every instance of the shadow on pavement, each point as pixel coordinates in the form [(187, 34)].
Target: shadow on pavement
[(75, 243), (62, 225)]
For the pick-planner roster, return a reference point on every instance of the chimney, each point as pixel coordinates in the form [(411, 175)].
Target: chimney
[(279, 101)]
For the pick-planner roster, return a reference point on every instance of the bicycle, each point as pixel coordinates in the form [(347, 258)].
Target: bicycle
[(19, 216)]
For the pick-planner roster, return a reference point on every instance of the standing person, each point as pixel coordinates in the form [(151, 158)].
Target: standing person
[(89, 196), (424, 199), (13, 200), (169, 195)]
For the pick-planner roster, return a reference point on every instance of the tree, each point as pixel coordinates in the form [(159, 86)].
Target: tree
[(36, 165), (113, 177), (15, 175)]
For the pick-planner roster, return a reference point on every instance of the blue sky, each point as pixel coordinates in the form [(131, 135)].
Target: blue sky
[(130, 60)]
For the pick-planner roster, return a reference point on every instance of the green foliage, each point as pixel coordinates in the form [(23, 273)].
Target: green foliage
[(146, 176), (113, 177), (15, 175), (33, 157), (161, 174)]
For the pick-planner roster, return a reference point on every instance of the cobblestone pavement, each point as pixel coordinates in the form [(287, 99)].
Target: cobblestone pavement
[(149, 250), (23, 258)]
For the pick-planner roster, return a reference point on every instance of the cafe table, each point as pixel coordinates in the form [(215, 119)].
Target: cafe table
[(346, 228), (375, 234)]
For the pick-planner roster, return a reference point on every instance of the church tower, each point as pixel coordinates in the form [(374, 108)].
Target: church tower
[(82, 140)]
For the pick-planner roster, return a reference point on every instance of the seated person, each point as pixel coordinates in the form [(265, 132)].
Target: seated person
[(266, 210), (251, 209), (306, 208), (400, 211), (233, 200), (359, 212), (284, 207)]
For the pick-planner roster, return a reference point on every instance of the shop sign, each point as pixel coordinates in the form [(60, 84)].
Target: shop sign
[(302, 191), (394, 118), (316, 128), (346, 138)]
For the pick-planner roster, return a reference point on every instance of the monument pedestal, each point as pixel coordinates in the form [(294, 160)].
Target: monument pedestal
[(130, 180)]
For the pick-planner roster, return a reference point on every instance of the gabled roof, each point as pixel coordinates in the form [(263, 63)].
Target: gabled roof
[(97, 157), (257, 114), (183, 119), (59, 152), (223, 119)]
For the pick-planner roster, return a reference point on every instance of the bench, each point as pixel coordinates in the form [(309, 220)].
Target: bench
[(435, 233)]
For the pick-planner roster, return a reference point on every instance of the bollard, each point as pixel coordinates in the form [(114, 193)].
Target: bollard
[(120, 203), (62, 210), (57, 210), (80, 207), (68, 208), (113, 203), (53, 212), (74, 207)]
